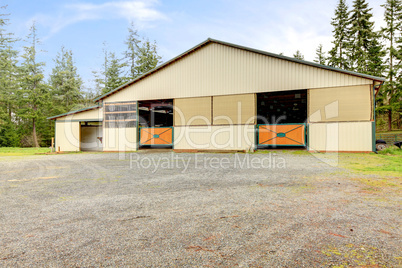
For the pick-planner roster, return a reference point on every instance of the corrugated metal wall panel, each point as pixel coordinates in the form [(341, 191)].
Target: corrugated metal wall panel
[(120, 139), (216, 70), (346, 136), (67, 136), (353, 104), (228, 109), (240, 137), (193, 111)]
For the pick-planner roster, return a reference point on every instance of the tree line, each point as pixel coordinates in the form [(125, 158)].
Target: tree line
[(27, 98), (358, 47)]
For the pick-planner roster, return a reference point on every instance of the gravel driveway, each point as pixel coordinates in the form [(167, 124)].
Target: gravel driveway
[(192, 210)]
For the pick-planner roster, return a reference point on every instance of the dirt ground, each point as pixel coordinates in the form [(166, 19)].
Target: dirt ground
[(195, 210)]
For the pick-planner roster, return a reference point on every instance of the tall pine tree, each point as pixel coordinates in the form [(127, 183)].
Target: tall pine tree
[(390, 96), (298, 55), (320, 55), (337, 55), (148, 57), (65, 82), (133, 43), (33, 95), (364, 51), (113, 73), (8, 85)]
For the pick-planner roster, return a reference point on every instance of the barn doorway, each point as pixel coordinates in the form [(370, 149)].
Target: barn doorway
[(155, 123), (282, 119), (91, 136)]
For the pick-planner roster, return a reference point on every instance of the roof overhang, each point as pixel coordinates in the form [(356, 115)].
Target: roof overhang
[(74, 112)]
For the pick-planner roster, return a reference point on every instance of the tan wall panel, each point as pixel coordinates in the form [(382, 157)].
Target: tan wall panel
[(345, 136), (216, 70), (90, 115), (340, 104), (192, 111), (67, 136), (240, 137), (119, 139), (234, 109)]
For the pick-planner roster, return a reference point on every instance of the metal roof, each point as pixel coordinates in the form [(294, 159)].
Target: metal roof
[(75, 112), (209, 40)]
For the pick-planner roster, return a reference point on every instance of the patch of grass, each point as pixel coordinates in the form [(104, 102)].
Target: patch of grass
[(391, 151), (377, 164), (390, 132), (15, 151), (377, 184), (352, 255)]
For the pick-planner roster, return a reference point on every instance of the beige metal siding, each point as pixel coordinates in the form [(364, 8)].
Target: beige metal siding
[(96, 114), (67, 136), (119, 139), (240, 137), (234, 109), (217, 69), (340, 104), (346, 136), (192, 111)]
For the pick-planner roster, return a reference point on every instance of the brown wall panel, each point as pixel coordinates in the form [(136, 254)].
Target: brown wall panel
[(234, 109), (352, 103), (193, 111)]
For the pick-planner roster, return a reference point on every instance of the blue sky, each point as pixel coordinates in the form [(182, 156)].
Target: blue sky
[(176, 25)]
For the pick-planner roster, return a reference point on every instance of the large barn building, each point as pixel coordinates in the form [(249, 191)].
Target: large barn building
[(221, 96)]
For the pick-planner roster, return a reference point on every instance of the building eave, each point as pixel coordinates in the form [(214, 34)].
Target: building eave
[(74, 112)]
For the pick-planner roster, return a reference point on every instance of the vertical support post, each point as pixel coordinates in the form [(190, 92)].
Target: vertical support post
[(373, 124)]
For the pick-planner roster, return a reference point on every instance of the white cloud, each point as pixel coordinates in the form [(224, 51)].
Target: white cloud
[(141, 12), (276, 26)]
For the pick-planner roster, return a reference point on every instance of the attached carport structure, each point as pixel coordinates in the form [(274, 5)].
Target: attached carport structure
[(229, 97)]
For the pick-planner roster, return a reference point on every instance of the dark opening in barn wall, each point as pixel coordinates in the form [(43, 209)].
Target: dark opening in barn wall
[(155, 123), (282, 107)]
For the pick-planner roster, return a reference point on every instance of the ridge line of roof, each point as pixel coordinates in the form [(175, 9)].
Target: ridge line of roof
[(209, 40), (298, 61), (154, 70), (74, 112)]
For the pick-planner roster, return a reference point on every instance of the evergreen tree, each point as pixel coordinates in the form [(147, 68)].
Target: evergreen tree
[(65, 82), (298, 55), (389, 97), (131, 54), (320, 55), (8, 86), (113, 74), (148, 57), (337, 55), (141, 55), (100, 75), (34, 95), (364, 51)]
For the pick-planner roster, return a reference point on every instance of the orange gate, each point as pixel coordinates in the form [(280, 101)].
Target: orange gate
[(156, 136), (282, 135)]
